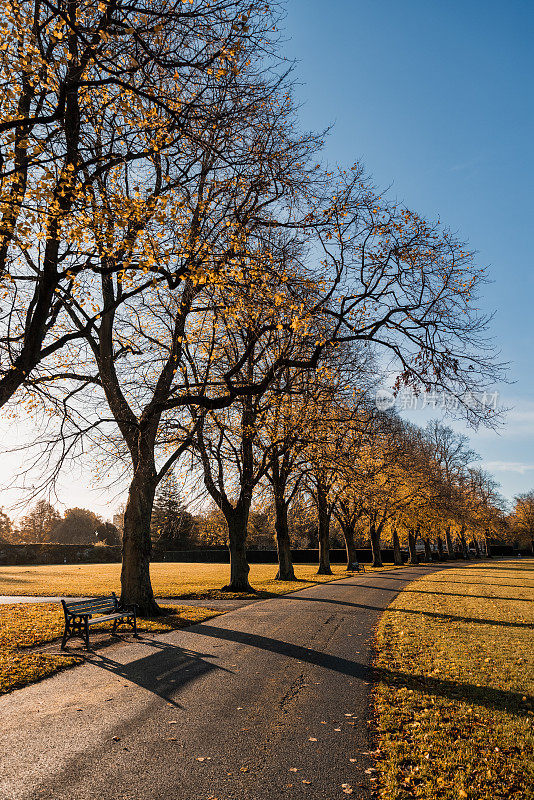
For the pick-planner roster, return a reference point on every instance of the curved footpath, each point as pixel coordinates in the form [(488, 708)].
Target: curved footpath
[(267, 702)]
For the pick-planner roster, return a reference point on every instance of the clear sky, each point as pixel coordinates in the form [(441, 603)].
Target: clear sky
[(436, 99)]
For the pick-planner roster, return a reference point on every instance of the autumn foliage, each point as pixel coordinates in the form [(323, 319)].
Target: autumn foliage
[(184, 283)]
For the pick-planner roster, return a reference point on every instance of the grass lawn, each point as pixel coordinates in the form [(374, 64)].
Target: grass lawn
[(25, 625), (196, 580), (455, 705)]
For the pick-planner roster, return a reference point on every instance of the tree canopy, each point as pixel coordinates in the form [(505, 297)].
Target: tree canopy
[(185, 281)]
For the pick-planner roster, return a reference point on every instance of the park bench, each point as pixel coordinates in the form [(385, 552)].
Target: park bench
[(79, 616)]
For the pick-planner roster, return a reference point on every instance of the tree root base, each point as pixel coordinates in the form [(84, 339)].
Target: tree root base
[(239, 589), (148, 610), (289, 577)]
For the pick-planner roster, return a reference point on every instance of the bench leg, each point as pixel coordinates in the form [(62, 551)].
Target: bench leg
[(135, 625), (87, 633), (65, 634)]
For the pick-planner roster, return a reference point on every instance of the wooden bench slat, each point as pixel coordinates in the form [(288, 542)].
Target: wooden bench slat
[(99, 602), (120, 615), (94, 601), (90, 599), (89, 608)]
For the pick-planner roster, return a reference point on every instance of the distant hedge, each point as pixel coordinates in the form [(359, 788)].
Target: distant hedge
[(27, 554), (22, 554)]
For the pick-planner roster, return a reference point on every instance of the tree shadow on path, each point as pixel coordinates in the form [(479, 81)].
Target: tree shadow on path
[(436, 615), (510, 701), (408, 590)]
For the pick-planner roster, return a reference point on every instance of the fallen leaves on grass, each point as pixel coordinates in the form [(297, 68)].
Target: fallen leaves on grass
[(19, 669), (454, 704), (23, 626)]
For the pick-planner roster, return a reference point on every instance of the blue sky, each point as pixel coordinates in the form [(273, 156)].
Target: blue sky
[(436, 99)]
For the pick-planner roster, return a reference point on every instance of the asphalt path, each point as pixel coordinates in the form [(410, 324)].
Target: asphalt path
[(267, 702)]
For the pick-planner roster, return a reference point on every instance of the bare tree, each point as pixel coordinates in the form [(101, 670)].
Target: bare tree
[(453, 455)]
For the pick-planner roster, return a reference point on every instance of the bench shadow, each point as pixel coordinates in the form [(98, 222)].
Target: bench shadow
[(161, 672), (483, 696)]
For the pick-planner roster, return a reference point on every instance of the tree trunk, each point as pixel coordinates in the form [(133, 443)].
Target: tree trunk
[(450, 546), (477, 548), (374, 536), (428, 549), (352, 558), (283, 544), (324, 532), (397, 555), (137, 546), (465, 549), (414, 558), (440, 548), (237, 535)]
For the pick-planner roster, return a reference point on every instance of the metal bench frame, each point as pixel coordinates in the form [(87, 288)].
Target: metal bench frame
[(79, 616)]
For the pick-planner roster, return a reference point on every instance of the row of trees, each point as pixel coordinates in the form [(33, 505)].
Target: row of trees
[(322, 460), (183, 281), (175, 527)]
